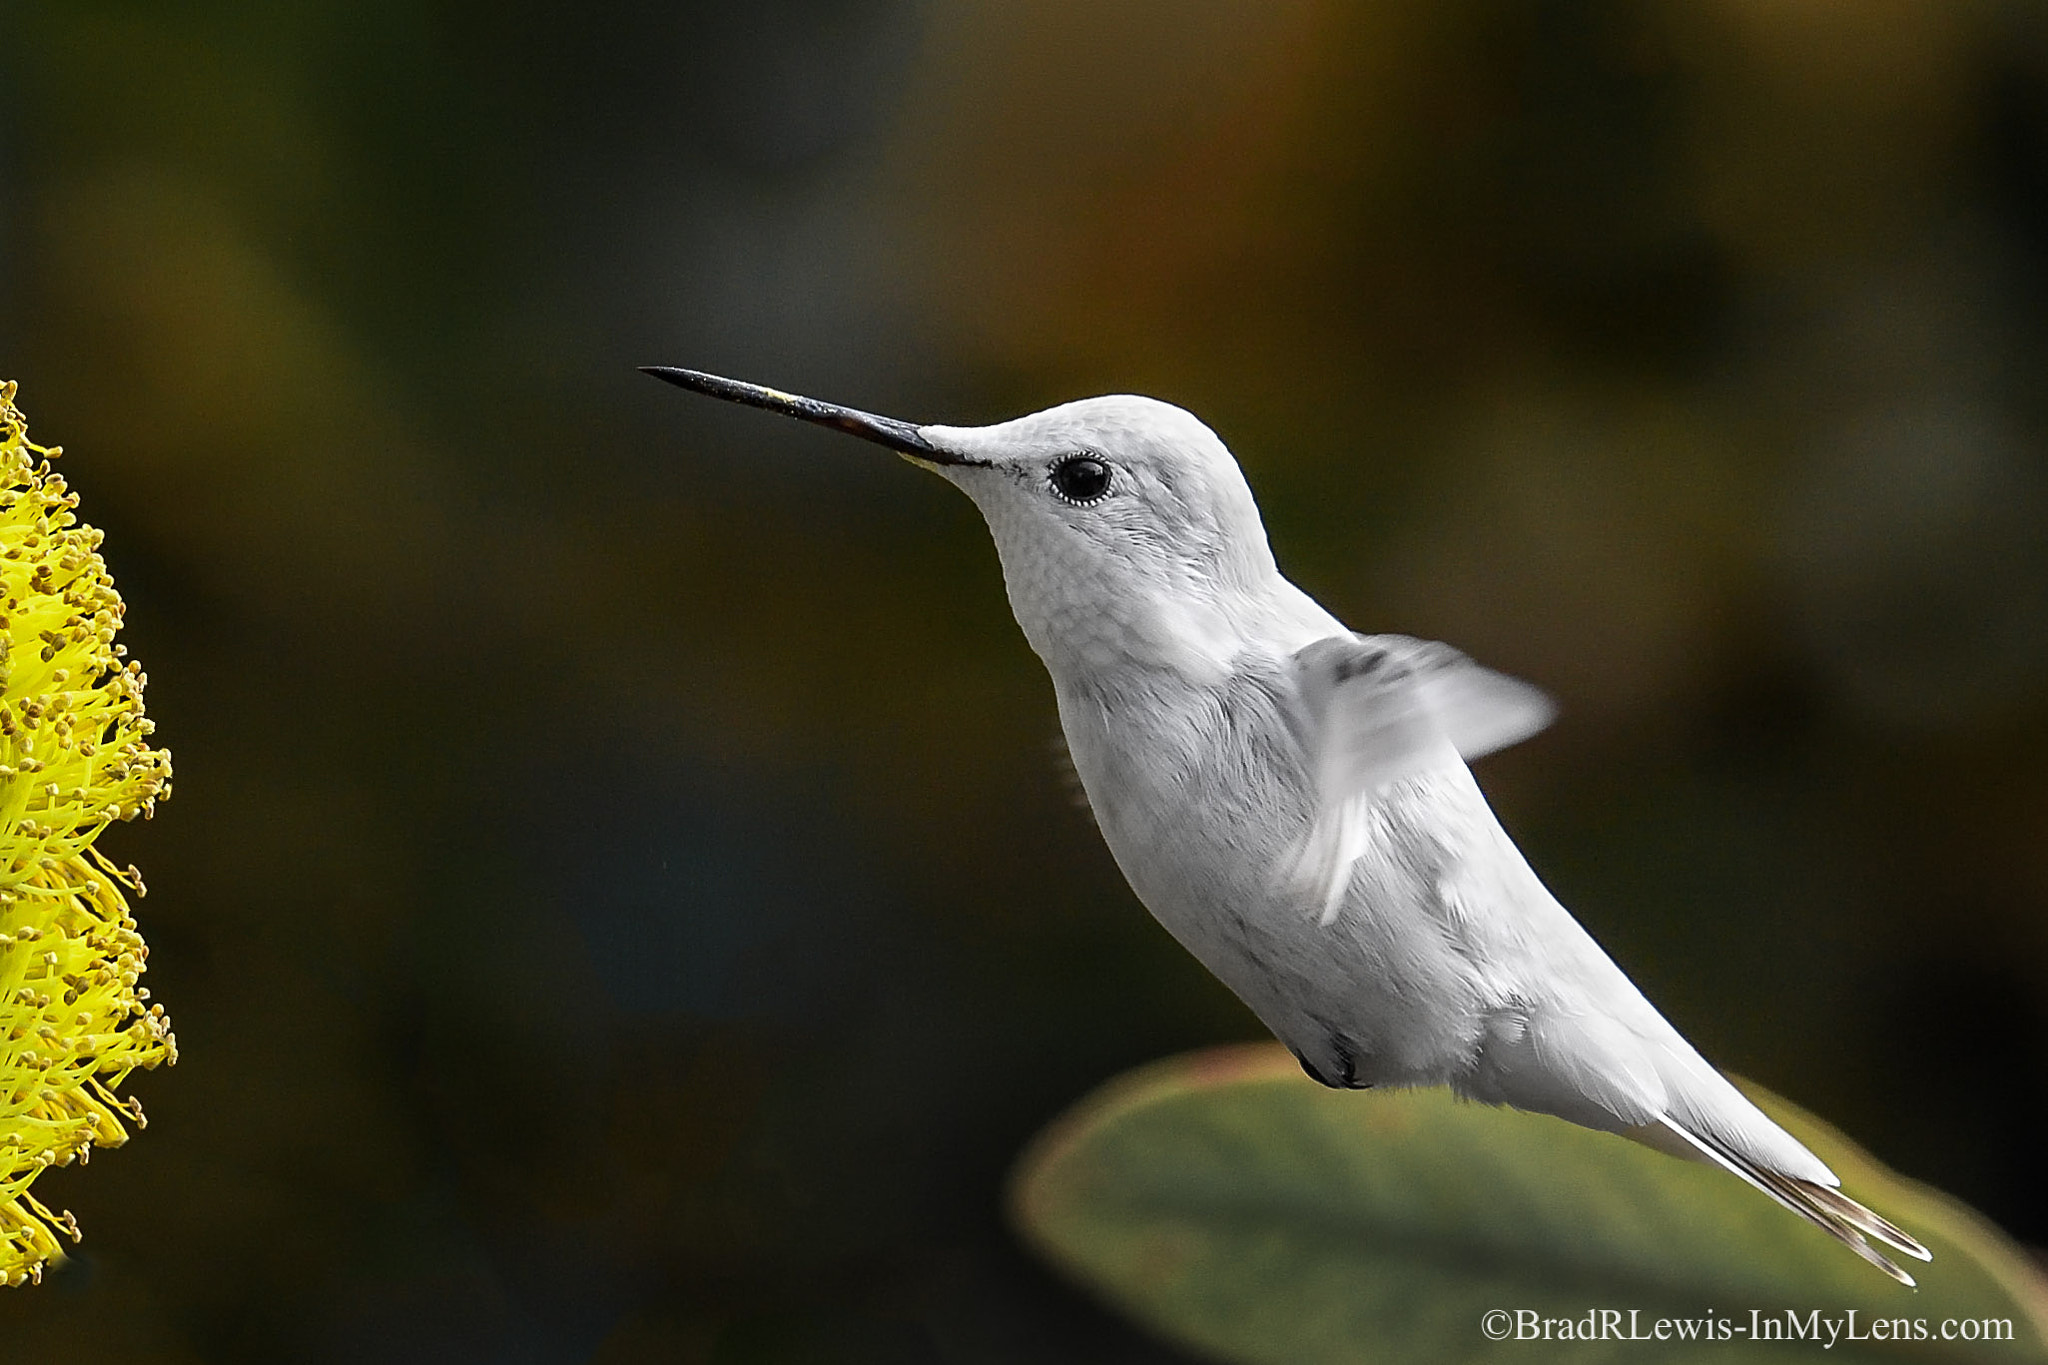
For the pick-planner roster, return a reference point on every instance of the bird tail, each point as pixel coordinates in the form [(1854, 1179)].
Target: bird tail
[(1833, 1212)]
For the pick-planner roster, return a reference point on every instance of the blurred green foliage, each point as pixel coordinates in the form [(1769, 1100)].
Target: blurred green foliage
[(1235, 1205), (619, 905)]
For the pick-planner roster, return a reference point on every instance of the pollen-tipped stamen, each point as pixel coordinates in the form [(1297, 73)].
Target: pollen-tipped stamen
[(74, 757)]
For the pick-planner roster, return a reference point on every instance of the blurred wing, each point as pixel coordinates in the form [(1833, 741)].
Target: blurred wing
[(1380, 708), (1384, 707)]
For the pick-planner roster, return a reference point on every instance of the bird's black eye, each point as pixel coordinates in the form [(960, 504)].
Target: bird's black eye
[(1080, 479)]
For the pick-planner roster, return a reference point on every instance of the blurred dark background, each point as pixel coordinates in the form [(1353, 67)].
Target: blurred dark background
[(620, 904)]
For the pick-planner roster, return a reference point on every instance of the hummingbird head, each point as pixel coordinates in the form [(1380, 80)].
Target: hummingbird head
[(1124, 526)]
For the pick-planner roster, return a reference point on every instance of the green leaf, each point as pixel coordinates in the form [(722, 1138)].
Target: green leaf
[(1233, 1205)]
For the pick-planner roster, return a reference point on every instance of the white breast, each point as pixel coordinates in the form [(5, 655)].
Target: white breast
[(1201, 793)]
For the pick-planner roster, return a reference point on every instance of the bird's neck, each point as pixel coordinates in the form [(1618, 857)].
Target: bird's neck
[(1145, 639)]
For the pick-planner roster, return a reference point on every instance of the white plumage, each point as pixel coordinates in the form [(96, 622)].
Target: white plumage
[(1291, 800)]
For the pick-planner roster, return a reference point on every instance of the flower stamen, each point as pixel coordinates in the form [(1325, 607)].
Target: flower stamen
[(74, 757)]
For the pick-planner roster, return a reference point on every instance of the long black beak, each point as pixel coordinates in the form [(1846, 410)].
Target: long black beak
[(899, 436)]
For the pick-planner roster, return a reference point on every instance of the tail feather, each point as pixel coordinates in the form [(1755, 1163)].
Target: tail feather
[(1833, 1212), (1868, 1221)]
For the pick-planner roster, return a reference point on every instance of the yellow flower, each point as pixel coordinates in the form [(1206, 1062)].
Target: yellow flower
[(74, 756)]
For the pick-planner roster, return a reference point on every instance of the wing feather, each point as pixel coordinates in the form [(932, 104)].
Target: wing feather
[(1382, 708)]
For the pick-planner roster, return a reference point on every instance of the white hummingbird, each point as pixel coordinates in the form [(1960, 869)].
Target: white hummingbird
[(1291, 799)]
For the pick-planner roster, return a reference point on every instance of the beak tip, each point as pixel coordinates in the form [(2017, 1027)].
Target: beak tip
[(904, 437)]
